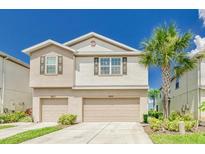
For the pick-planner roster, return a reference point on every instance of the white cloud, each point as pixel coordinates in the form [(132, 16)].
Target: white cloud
[(202, 16), (200, 45)]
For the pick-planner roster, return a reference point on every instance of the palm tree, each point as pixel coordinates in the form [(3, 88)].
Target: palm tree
[(153, 94), (166, 50)]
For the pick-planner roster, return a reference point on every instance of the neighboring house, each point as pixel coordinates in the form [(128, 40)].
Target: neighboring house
[(188, 92), (92, 76), (15, 93)]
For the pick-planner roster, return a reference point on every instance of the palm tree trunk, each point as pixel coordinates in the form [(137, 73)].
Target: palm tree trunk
[(166, 84)]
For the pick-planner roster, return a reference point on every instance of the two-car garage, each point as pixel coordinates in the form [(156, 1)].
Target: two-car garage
[(93, 109), (111, 110)]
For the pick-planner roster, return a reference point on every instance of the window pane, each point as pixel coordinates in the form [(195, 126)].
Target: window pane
[(116, 61), (105, 61), (51, 60), (105, 70), (116, 66), (116, 70), (51, 69)]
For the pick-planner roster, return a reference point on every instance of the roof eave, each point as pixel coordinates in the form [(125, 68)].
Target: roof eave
[(93, 34), (33, 48)]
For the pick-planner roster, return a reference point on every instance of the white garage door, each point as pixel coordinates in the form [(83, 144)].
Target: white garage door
[(111, 110), (53, 108)]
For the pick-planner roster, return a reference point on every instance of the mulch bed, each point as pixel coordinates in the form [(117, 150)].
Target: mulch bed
[(149, 131)]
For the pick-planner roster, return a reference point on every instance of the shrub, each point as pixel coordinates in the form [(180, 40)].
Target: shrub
[(202, 106), (67, 119), (174, 116), (26, 119), (155, 114), (173, 125), (189, 125), (155, 124), (187, 117), (145, 118), (12, 117)]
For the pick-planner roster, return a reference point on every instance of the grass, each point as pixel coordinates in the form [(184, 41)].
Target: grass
[(195, 138), (6, 126), (30, 134)]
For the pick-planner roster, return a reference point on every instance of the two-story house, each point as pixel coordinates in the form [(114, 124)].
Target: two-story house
[(188, 92), (92, 76)]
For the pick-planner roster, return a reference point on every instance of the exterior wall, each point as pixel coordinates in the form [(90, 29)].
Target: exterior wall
[(202, 96), (186, 94), (60, 80), (137, 74), (202, 72), (100, 46), (17, 95), (75, 98)]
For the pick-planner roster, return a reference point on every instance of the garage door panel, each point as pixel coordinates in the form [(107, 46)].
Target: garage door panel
[(53, 108), (108, 110)]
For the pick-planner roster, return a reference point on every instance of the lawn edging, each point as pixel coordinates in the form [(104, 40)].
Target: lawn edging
[(30, 134), (6, 126)]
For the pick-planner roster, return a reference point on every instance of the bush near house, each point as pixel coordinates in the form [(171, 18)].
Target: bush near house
[(26, 119), (172, 123), (14, 117), (155, 114), (67, 119)]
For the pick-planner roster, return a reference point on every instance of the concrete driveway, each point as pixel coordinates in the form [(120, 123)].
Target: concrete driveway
[(97, 133), (21, 127)]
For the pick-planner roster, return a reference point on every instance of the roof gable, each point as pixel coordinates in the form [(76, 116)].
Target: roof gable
[(44, 44), (103, 43)]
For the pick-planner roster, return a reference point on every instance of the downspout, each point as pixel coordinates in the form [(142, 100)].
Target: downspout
[(3, 83)]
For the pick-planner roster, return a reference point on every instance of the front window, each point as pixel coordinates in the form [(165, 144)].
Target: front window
[(51, 65), (110, 66), (177, 83)]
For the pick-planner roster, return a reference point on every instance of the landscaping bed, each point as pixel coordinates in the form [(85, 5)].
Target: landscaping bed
[(172, 137), (166, 131)]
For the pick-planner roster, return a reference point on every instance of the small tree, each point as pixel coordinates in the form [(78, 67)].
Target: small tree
[(166, 50), (153, 94)]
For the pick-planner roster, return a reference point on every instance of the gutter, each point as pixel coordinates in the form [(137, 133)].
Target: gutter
[(3, 84)]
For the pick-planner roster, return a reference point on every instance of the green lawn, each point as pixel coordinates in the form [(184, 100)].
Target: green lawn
[(195, 138), (6, 126), (27, 135)]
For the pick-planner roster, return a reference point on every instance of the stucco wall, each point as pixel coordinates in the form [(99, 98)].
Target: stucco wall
[(75, 98), (203, 72), (61, 80), (186, 94), (17, 91), (137, 74)]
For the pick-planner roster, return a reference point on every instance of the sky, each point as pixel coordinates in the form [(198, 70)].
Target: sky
[(20, 29)]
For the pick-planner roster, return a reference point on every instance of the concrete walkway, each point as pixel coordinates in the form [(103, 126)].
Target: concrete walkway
[(97, 133), (21, 127)]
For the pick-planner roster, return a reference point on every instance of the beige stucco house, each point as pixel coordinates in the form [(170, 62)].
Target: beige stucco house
[(92, 76), (15, 93), (188, 92)]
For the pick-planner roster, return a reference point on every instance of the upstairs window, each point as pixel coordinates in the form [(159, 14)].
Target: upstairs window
[(51, 65), (177, 83), (104, 66), (111, 66)]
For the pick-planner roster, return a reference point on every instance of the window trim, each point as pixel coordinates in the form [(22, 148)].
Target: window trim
[(56, 64), (110, 67)]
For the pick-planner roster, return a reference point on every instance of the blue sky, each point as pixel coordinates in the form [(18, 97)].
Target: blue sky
[(20, 29)]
